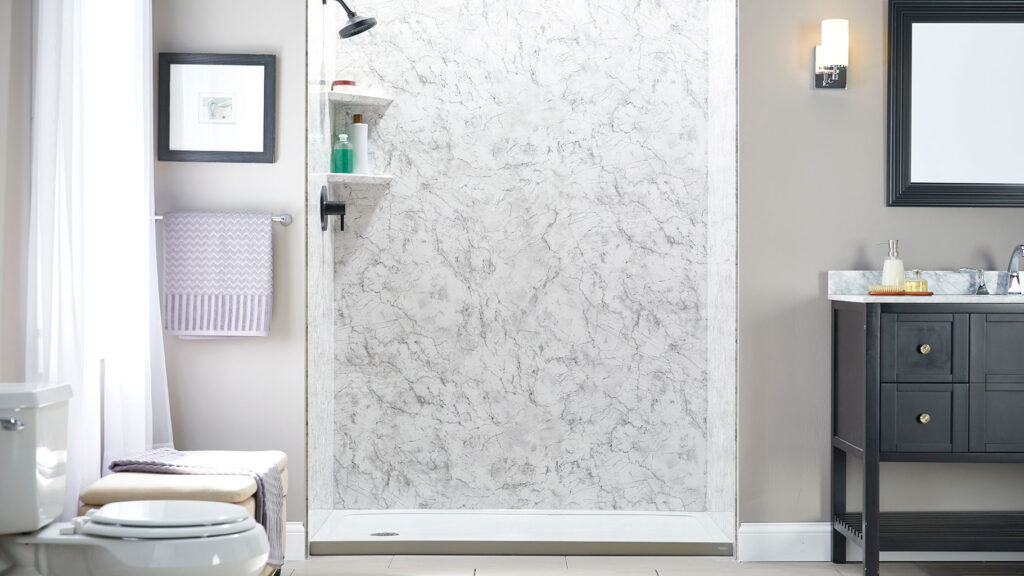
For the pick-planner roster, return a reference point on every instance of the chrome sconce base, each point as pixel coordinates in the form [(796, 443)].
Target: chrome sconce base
[(830, 77)]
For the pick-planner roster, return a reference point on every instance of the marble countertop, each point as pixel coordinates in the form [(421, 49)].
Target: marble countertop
[(936, 299), (949, 287)]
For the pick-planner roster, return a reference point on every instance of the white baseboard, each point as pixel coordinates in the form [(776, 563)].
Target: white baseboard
[(784, 542), (812, 542), (295, 544)]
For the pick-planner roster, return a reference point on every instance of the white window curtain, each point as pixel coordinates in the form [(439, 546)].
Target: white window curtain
[(93, 312)]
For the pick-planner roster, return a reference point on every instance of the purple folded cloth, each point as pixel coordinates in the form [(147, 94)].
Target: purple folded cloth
[(218, 274)]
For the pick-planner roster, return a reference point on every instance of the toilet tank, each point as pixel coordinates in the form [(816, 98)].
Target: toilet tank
[(33, 454)]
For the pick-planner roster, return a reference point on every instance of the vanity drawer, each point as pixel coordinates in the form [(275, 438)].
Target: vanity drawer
[(924, 347), (924, 417)]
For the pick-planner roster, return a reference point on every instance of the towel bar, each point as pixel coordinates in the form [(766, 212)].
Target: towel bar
[(284, 219)]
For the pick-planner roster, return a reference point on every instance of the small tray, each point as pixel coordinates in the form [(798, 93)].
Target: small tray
[(901, 293)]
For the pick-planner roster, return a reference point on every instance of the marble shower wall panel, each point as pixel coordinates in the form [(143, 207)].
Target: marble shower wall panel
[(721, 301), (520, 318), (319, 287)]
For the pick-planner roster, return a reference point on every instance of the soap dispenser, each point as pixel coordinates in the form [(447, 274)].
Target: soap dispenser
[(892, 269), (341, 157)]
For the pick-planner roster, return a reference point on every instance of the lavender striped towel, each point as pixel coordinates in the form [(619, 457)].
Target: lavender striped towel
[(218, 274)]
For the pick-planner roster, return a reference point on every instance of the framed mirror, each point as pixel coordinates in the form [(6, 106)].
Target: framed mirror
[(956, 103)]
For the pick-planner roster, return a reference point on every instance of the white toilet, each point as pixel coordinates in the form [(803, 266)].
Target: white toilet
[(148, 538)]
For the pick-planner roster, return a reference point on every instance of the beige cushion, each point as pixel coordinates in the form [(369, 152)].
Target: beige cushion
[(249, 504), (142, 486), (124, 486)]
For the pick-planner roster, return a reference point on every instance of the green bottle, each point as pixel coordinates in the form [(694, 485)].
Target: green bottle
[(341, 158)]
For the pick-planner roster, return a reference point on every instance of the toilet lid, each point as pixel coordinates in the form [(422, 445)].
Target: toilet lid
[(165, 519), (164, 513)]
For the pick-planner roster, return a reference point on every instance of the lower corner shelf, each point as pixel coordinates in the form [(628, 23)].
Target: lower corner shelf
[(366, 179), (941, 531)]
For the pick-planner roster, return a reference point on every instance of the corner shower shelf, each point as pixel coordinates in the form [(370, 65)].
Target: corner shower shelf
[(364, 179), (365, 100)]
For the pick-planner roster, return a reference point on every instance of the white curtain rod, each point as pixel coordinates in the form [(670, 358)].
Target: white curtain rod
[(284, 219)]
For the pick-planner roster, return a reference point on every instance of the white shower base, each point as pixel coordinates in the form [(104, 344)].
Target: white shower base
[(531, 532)]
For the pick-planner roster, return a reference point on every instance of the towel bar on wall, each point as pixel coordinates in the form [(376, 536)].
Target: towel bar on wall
[(284, 219)]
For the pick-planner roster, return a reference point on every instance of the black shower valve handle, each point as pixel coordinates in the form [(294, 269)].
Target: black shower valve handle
[(331, 208)]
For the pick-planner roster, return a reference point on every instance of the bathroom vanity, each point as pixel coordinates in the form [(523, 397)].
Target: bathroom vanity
[(924, 379)]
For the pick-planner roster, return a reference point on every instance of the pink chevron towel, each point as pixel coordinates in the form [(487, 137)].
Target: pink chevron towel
[(218, 274)]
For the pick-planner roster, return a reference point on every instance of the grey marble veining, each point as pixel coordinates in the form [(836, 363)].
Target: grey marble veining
[(521, 319), (940, 282)]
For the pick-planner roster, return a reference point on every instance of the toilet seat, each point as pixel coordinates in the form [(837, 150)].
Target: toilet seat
[(164, 520)]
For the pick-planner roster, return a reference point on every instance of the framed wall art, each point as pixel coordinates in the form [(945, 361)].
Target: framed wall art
[(216, 107)]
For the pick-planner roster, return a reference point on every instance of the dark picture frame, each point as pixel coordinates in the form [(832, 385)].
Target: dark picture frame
[(901, 191), (164, 113)]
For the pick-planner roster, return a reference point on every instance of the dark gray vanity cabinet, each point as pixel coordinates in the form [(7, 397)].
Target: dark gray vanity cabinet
[(921, 382)]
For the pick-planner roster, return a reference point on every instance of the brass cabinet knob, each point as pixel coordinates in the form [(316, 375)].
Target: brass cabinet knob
[(924, 418), (925, 349)]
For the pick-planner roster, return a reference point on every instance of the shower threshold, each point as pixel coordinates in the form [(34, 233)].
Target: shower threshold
[(519, 532)]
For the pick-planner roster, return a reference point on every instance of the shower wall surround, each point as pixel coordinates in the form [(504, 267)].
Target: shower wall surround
[(520, 320), (319, 280)]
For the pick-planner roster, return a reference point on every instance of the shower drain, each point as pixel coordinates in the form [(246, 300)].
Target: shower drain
[(384, 534)]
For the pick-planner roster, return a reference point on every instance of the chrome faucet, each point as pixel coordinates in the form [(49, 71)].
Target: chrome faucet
[(1014, 270)]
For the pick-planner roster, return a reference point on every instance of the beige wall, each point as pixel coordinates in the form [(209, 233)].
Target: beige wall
[(811, 198), (246, 394), (15, 166)]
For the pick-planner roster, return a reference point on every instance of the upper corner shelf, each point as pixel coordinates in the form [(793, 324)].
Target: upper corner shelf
[(356, 99)]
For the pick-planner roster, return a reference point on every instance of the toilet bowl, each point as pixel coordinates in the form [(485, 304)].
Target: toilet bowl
[(159, 538), (142, 538)]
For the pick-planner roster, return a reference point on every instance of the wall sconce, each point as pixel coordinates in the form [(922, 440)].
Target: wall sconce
[(833, 56)]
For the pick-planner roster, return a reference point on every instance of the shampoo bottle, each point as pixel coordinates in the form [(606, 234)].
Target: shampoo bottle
[(892, 269), (360, 152)]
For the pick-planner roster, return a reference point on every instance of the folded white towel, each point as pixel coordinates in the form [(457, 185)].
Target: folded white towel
[(218, 274), (260, 467)]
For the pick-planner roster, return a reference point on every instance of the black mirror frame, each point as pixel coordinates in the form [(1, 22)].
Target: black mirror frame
[(901, 191)]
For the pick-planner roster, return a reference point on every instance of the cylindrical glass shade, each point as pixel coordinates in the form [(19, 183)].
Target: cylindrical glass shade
[(835, 42)]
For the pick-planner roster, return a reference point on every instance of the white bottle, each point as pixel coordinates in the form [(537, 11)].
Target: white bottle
[(892, 269), (360, 150)]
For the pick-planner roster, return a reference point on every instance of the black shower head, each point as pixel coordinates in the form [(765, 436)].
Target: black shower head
[(356, 24)]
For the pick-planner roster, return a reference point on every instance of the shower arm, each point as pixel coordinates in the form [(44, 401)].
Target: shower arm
[(348, 10)]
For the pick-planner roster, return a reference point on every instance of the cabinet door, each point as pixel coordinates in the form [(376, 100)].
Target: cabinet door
[(924, 417), (924, 348), (997, 383)]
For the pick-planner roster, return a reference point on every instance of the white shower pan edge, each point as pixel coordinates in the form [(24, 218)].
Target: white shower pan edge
[(520, 532)]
